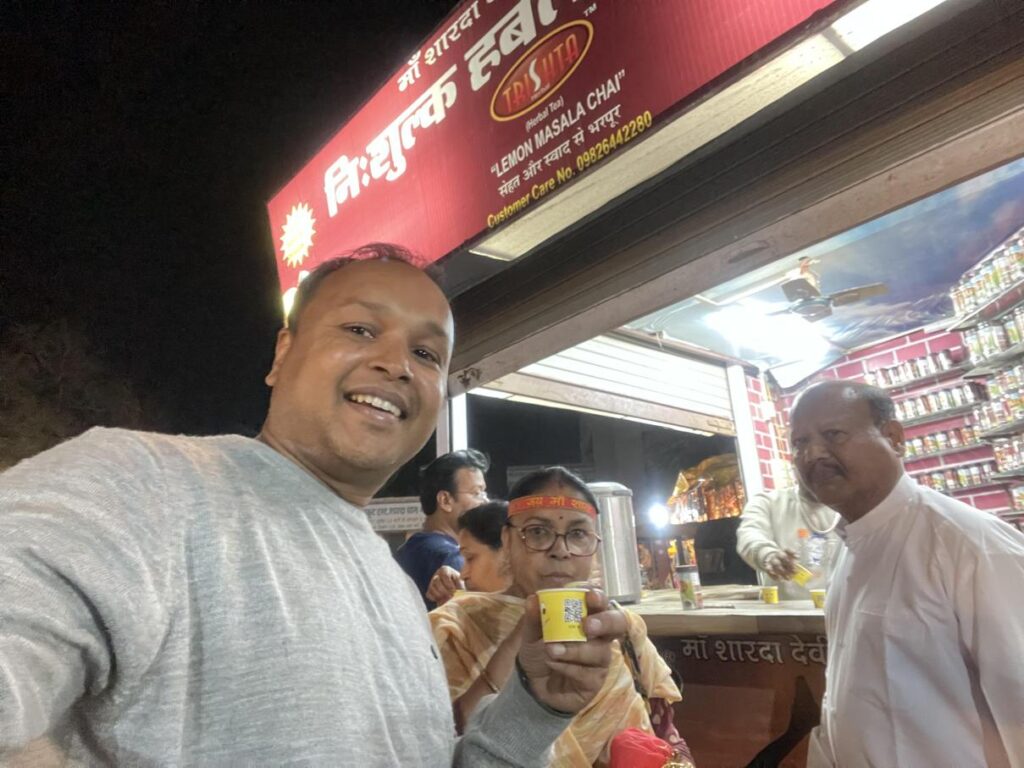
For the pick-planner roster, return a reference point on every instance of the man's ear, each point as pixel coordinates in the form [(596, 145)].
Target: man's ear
[(892, 430), (284, 343), (444, 500)]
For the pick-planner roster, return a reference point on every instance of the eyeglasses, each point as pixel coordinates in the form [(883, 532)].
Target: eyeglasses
[(541, 538)]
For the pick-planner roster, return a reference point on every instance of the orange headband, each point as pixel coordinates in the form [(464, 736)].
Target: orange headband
[(530, 503)]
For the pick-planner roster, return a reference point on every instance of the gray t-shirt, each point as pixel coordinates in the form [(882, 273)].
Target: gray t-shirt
[(205, 601)]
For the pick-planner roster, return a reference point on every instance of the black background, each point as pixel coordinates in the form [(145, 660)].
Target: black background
[(141, 143)]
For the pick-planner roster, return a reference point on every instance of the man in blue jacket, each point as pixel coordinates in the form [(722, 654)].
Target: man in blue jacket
[(449, 485)]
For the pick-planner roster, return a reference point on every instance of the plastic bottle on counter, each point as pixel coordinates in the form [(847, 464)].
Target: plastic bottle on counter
[(689, 587)]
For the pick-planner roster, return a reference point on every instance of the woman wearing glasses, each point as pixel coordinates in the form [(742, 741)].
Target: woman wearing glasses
[(550, 540)]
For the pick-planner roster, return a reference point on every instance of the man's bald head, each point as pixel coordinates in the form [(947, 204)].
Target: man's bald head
[(877, 401)]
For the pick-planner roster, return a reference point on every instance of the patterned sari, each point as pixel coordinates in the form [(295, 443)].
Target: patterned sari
[(469, 629)]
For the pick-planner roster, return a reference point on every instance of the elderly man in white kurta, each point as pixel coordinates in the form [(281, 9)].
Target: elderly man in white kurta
[(925, 612)]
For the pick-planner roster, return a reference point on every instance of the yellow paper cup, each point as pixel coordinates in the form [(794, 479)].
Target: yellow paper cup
[(802, 575), (562, 612), (770, 595), (818, 596)]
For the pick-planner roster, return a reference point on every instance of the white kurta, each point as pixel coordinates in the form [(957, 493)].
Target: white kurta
[(925, 618)]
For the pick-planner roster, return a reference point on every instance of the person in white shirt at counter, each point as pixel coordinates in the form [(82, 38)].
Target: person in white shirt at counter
[(775, 527), (925, 628)]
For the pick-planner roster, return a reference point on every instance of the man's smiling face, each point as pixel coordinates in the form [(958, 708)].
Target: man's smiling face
[(358, 384)]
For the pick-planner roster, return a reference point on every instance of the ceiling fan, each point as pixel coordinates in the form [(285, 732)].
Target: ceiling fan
[(803, 290)]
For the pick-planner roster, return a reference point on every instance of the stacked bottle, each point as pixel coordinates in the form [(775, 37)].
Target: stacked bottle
[(995, 274), (1009, 453), (1006, 400), (959, 478), (962, 437), (935, 402), (1017, 492), (989, 339), (911, 370)]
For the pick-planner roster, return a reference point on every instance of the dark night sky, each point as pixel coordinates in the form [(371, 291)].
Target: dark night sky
[(140, 146)]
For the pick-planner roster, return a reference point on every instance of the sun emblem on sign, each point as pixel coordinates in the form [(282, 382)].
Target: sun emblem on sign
[(297, 234)]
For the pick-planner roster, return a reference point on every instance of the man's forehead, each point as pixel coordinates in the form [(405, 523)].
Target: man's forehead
[(386, 286), (469, 476), (830, 404), (355, 276)]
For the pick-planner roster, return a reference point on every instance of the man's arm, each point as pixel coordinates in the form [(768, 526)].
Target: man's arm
[(52, 645), (445, 582), (68, 585), (446, 564), (755, 538), (989, 583), (510, 730)]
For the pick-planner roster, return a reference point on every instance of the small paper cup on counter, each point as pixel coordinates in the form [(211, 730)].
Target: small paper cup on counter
[(818, 597)]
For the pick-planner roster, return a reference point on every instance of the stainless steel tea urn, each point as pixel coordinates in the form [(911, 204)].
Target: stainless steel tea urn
[(618, 560)]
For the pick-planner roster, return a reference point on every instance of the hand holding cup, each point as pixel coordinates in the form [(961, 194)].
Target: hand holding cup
[(781, 564), (566, 676)]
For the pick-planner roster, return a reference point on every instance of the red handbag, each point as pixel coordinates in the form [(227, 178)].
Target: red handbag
[(634, 748), (659, 710)]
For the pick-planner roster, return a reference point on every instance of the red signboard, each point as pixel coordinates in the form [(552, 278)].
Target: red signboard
[(506, 102)]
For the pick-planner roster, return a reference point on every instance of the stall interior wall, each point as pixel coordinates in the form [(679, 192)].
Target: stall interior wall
[(770, 408), (769, 434)]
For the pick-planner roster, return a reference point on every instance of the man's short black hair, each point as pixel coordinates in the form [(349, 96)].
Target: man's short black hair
[(528, 485), (485, 522), (369, 252), (439, 475)]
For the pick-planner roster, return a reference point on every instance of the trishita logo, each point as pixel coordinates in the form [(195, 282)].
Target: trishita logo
[(540, 72)]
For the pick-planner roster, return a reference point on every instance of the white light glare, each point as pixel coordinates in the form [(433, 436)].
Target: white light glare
[(497, 394), (785, 337), (288, 297), (876, 18), (658, 515)]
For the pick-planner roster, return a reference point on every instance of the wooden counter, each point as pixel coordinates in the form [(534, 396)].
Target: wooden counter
[(663, 613), (753, 674)]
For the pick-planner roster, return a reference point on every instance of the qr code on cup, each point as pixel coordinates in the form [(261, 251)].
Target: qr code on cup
[(573, 611)]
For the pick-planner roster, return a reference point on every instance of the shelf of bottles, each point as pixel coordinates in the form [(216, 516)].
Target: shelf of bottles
[(991, 289), (935, 445), (930, 389), (929, 369), (938, 405), (1002, 415), (961, 478), (989, 302), (1017, 510)]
